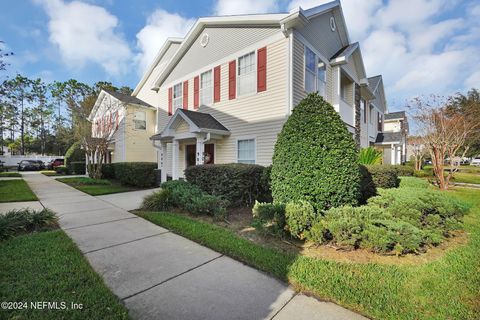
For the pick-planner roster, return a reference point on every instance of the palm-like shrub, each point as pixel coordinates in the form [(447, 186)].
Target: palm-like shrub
[(370, 155)]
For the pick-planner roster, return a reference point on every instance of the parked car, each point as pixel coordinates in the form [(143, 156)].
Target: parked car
[(55, 163), (475, 161), (40, 164), (427, 162), (28, 165)]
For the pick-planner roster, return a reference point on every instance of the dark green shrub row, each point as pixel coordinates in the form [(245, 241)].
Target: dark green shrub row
[(137, 174), (240, 184), (403, 170), (383, 176), (183, 195), (62, 170), (403, 220), (269, 218), (17, 222), (76, 167)]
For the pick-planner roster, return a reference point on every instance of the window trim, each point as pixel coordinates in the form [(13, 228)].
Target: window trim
[(180, 98), (318, 59), (211, 88), (243, 138), (135, 121), (255, 72)]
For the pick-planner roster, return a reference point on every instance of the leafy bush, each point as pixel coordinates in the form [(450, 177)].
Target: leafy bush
[(192, 199), (138, 174), (108, 171), (269, 218), (383, 176), (370, 155), (241, 184), (75, 154), (367, 186), (299, 216), (77, 167), (403, 171), (157, 201), (17, 222), (62, 170), (421, 174), (412, 182), (315, 158), (402, 220)]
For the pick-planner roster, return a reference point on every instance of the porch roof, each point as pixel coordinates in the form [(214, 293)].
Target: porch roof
[(198, 122), (388, 137)]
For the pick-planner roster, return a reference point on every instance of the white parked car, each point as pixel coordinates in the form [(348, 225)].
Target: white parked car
[(475, 161)]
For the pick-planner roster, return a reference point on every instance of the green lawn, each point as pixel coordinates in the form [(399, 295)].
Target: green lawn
[(96, 187), (50, 173), (47, 266), (15, 190), (466, 177), (446, 288), (10, 175)]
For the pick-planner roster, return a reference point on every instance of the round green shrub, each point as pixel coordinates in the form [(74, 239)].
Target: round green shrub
[(300, 216), (383, 176), (315, 158)]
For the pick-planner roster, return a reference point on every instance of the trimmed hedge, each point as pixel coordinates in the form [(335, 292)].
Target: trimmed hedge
[(77, 167), (404, 170), (62, 170), (108, 171), (138, 174), (240, 184), (383, 176), (315, 158)]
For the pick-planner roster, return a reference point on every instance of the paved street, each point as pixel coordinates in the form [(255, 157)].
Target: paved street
[(160, 275)]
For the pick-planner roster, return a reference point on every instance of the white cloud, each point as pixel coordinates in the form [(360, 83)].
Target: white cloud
[(160, 25), (86, 33), (231, 7)]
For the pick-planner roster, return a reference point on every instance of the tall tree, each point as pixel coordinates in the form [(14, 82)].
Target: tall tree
[(41, 112)]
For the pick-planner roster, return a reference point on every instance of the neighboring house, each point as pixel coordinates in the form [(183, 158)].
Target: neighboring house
[(393, 139), (223, 93), (128, 123)]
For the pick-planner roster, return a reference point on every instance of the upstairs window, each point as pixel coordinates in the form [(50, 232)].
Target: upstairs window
[(310, 70), (321, 78), (177, 96), (246, 151), (206, 88), (247, 74), (140, 120), (371, 115)]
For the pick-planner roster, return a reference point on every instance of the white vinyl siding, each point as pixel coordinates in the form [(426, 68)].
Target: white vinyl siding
[(246, 74), (177, 96), (206, 88), (140, 120), (246, 151)]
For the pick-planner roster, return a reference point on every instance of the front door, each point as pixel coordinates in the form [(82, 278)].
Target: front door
[(209, 157)]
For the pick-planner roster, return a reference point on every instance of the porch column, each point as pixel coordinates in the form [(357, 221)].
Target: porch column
[(175, 153), (392, 154), (336, 75), (399, 155), (162, 165), (200, 151)]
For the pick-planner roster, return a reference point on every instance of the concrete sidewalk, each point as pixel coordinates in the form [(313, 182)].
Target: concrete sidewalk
[(160, 275), (127, 200)]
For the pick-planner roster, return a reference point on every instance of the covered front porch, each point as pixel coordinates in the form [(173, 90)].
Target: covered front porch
[(393, 147), (189, 138)]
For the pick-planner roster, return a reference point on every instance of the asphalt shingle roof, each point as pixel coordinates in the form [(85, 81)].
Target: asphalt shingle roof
[(388, 137), (395, 115), (373, 82), (204, 120), (128, 99)]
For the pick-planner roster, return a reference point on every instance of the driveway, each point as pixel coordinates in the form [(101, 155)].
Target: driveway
[(160, 275)]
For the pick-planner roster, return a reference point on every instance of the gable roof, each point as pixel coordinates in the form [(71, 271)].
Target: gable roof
[(373, 82), (388, 137), (280, 20), (345, 52), (395, 115), (120, 97), (203, 120)]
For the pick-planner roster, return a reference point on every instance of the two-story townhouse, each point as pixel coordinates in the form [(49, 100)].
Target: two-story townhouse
[(223, 93), (393, 139)]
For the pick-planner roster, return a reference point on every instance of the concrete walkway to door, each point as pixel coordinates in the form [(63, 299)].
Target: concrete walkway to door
[(160, 275)]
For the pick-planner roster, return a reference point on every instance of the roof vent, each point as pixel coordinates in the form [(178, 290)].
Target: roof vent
[(204, 40)]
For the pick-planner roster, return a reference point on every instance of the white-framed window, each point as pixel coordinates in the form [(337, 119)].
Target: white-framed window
[(371, 114), (310, 70), (246, 74), (246, 151), (206, 88), (140, 120), (321, 77), (177, 96)]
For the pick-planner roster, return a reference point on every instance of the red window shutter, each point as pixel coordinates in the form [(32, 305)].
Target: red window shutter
[(262, 69), (185, 95), (216, 84), (232, 83), (170, 96), (196, 88)]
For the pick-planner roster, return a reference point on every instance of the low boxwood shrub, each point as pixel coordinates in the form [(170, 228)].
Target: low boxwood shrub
[(158, 201), (62, 170), (383, 176), (240, 184), (269, 218), (138, 174), (403, 170), (77, 167), (300, 216), (17, 222), (190, 198)]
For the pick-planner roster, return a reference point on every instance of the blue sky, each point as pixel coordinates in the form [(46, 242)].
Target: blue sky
[(420, 46)]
